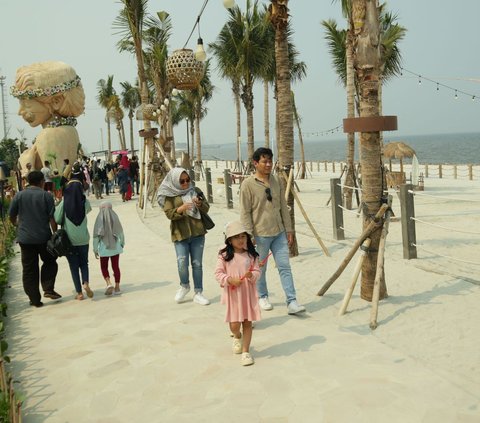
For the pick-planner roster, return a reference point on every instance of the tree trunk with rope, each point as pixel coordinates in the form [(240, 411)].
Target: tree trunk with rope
[(368, 68)]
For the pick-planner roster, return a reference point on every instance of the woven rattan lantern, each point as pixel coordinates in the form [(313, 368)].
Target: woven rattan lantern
[(145, 112), (184, 72)]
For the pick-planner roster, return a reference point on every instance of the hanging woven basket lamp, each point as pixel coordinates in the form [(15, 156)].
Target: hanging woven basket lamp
[(184, 72), (146, 112)]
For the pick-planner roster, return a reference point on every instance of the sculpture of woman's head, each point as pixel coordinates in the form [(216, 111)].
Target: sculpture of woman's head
[(47, 90)]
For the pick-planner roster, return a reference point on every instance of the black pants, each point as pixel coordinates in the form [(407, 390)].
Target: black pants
[(31, 272)]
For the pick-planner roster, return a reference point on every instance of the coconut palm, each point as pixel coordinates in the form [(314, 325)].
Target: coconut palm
[(130, 100), (105, 95), (278, 15), (247, 45), (340, 43), (225, 51)]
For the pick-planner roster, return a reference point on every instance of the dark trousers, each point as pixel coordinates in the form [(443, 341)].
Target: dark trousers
[(78, 262), (31, 272)]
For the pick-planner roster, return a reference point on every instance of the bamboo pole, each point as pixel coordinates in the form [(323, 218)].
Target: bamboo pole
[(289, 183), (297, 199), (380, 268), (366, 232), (356, 272), (147, 180), (142, 177)]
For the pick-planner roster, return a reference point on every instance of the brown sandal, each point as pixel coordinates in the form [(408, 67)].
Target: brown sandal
[(79, 297)]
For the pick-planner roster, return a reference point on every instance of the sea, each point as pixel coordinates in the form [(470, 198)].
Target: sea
[(461, 148)]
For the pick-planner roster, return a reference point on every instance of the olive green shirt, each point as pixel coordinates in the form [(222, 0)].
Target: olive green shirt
[(182, 225), (260, 216)]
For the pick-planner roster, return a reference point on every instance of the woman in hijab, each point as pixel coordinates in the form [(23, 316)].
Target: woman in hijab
[(71, 213), (108, 243), (182, 202)]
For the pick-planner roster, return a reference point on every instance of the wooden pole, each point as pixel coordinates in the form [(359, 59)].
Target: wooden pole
[(147, 180), (380, 267), (208, 180), (289, 183), (356, 272), (374, 224), (312, 228), (228, 188), (407, 207), (337, 212), (141, 202)]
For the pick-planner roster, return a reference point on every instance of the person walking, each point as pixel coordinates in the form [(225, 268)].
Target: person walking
[(122, 180), (264, 212), (47, 173), (71, 213), (33, 210), (108, 243), (182, 203), (237, 272), (135, 174)]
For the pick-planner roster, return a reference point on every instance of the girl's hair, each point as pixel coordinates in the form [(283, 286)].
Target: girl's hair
[(228, 252)]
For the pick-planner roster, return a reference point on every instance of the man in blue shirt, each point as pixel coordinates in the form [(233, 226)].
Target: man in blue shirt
[(32, 212)]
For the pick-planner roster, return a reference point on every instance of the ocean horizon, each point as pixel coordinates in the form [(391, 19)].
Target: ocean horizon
[(455, 148)]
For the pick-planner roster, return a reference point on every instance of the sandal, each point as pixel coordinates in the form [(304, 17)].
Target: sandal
[(79, 297), (109, 289), (87, 289)]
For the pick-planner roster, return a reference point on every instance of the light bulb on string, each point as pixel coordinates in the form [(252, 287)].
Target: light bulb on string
[(456, 96), (473, 98), (200, 54), (166, 101), (228, 4), (174, 92), (163, 108), (419, 79), (438, 89)]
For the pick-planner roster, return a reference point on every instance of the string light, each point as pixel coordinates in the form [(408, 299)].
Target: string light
[(439, 84), (325, 132)]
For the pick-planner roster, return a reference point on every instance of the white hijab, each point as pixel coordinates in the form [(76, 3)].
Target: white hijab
[(170, 187), (107, 225)]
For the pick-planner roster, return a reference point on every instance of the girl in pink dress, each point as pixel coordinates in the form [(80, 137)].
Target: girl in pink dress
[(237, 272)]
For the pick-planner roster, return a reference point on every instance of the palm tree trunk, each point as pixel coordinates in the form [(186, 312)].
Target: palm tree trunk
[(349, 176), (132, 146), (279, 18), (266, 117), (236, 94), (367, 65), (124, 140), (303, 170), (248, 101), (109, 139), (198, 161)]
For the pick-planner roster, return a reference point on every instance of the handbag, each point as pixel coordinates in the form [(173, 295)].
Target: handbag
[(59, 244), (207, 221)]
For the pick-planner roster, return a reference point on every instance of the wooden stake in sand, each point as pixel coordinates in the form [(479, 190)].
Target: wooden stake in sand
[(295, 195), (380, 266), (374, 224), (356, 272)]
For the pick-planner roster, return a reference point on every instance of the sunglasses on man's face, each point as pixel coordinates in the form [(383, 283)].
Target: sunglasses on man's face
[(184, 181), (269, 194)]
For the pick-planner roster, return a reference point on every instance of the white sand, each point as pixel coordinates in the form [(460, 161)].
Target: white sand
[(141, 357)]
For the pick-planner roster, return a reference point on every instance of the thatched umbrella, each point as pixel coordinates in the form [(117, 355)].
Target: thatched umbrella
[(397, 150)]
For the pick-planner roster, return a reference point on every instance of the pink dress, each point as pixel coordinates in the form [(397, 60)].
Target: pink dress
[(242, 300)]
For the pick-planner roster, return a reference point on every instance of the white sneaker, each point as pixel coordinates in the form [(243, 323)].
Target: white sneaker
[(295, 308), (247, 359), (180, 295), (265, 304), (200, 299), (109, 289), (237, 345)]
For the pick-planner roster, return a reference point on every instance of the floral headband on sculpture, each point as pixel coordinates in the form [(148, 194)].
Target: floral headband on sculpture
[(45, 92)]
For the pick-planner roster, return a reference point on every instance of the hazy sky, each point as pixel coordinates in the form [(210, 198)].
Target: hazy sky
[(442, 44)]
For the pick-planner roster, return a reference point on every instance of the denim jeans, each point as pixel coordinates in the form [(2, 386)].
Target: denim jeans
[(190, 249), (78, 262), (278, 245)]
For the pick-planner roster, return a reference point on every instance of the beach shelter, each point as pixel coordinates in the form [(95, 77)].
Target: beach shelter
[(397, 150)]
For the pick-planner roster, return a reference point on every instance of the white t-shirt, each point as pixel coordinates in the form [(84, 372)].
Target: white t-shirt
[(47, 173)]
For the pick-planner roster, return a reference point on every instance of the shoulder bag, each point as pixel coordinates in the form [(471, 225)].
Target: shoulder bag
[(59, 244)]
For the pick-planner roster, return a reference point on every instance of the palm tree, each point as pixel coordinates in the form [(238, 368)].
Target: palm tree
[(298, 119), (225, 51), (247, 44), (105, 96), (340, 43), (278, 14), (130, 101)]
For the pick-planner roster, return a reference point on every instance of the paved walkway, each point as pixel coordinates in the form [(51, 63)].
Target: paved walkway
[(140, 357)]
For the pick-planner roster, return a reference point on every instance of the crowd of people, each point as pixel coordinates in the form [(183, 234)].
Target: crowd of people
[(264, 229), (100, 177)]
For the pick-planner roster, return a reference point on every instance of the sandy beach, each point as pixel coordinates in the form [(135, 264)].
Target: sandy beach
[(141, 357)]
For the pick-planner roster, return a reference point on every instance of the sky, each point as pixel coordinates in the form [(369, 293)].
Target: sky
[(442, 44)]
